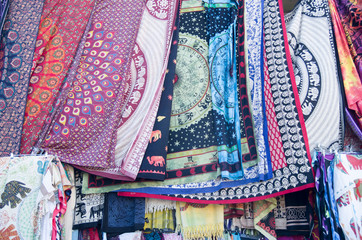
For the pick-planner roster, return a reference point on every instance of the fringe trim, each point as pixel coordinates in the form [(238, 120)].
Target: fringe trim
[(154, 205), (202, 232)]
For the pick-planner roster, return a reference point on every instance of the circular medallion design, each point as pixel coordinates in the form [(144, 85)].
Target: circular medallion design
[(307, 75), (138, 79), (159, 9), (191, 97)]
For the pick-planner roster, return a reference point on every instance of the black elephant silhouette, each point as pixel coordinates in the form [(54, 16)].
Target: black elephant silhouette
[(11, 190)]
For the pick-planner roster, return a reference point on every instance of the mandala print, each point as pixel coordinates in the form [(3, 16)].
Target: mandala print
[(91, 88)]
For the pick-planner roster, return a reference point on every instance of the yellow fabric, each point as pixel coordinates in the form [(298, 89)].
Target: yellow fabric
[(200, 221), (159, 220)]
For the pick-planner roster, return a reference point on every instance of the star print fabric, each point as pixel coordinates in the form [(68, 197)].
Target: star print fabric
[(223, 81)]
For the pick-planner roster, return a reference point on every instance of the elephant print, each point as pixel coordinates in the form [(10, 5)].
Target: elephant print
[(156, 161), (155, 135), (11, 190)]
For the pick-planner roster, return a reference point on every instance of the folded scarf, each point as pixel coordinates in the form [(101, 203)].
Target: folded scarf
[(123, 214), (200, 220)]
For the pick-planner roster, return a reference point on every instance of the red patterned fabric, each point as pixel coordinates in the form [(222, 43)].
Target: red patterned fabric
[(277, 155), (61, 28)]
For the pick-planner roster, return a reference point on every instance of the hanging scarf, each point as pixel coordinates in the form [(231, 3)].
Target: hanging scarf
[(351, 80), (350, 14), (223, 82), (254, 75), (4, 7), (160, 220), (264, 220), (16, 55), (252, 172), (123, 214), (248, 145), (79, 135), (153, 205), (192, 153), (348, 193), (297, 173), (61, 27), (27, 192), (194, 224), (88, 210), (135, 126), (314, 62), (152, 167)]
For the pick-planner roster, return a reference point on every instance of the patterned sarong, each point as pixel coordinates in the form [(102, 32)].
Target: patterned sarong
[(296, 173), (314, 62), (61, 28), (146, 76), (79, 134), (223, 82), (351, 80), (16, 55)]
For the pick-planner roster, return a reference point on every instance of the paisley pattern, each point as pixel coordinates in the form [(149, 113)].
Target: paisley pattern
[(254, 55), (297, 174), (16, 53), (59, 34), (150, 62), (79, 134)]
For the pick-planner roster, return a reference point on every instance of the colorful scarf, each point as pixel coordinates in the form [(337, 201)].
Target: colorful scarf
[(143, 93), (348, 193), (162, 220), (88, 207), (248, 145), (223, 82), (4, 7), (122, 214), (325, 202), (254, 75), (61, 27), (296, 173), (193, 223), (153, 164), (190, 158), (16, 55), (351, 80), (24, 195), (350, 14), (153, 205), (79, 135), (264, 220), (314, 61), (294, 214)]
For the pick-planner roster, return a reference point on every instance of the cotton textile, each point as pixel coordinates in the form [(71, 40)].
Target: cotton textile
[(28, 191), (223, 82), (16, 55), (88, 211), (194, 224), (79, 135), (61, 28), (351, 80), (315, 67), (296, 173), (347, 192), (123, 214)]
